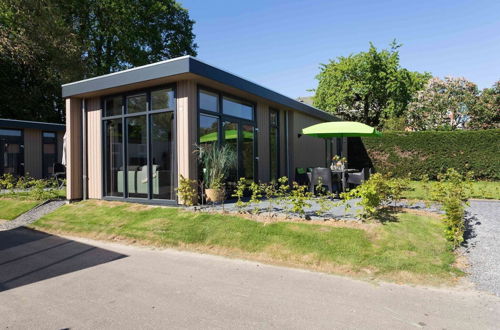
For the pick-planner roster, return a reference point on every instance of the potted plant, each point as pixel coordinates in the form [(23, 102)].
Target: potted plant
[(338, 163), (216, 162)]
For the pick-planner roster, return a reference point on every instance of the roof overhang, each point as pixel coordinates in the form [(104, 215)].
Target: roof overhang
[(12, 123), (181, 66)]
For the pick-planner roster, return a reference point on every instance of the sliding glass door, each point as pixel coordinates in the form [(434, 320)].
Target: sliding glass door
[(11, 152), (139, 150)]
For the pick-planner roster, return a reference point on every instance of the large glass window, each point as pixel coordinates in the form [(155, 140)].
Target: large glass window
[(139, 164), (115, 182), (274, 140), (49, 149), (237, 108), (226, 120), (137, 157), (162, 151)]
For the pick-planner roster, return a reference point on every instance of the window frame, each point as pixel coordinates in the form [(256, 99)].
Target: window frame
[(278, 142), (48, 140), (222, 117), (149, 114)]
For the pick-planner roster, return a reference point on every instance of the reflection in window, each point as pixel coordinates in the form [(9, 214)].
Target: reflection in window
[(137, 157), (237, 108), (137, 103), (208, 130), (49, 151), (10, 132), (162, 150), (208, 101), (230, 134), (114, 158), (162, 99), (247, 152), (113, 106)]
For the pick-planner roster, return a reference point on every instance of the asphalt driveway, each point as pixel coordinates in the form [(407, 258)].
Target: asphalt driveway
[(131, 288)]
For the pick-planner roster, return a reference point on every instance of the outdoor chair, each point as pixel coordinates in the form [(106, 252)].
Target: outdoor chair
[(323, 175), (357, 178), (59, 173), (301, 176)]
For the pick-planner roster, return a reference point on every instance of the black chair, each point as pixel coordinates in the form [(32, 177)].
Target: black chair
[(323, 175), (59, 173), (301, 176), (357, 178)]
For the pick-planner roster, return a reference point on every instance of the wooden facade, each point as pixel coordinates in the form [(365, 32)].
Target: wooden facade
[(294, 151)]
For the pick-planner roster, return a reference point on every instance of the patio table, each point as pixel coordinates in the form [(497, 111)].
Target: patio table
[(341, 173)]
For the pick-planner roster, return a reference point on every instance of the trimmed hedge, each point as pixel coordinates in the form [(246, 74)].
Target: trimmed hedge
[(431, 152)]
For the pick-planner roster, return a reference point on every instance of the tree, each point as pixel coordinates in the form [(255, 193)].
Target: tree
[(486, 113), (37, 52), (443, 104), (46, 43), (370, 87), (119, 34)]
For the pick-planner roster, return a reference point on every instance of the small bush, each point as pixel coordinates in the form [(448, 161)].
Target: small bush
[(26, 187), (187, 191), (452, 192)]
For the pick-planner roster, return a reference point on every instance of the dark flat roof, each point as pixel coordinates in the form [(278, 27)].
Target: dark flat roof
[(13, 123), (180, 65)]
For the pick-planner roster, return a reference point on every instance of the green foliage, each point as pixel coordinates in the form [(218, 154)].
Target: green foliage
[(368, 87), (430, 153), (377, 192), (29, 188), (452, 191), (282, 192), (299, 199), (239, 192), (486, 113), (256, 190), (217, 162), (270, 192), (45, 43), (187, 191)]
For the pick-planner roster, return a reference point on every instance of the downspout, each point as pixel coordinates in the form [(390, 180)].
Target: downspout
[(84, 149)]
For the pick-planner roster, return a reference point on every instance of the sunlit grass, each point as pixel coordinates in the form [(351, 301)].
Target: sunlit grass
[(480, 189), (412, 249), (12, 208)]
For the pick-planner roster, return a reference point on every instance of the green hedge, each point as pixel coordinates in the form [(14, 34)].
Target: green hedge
[(417, 153)]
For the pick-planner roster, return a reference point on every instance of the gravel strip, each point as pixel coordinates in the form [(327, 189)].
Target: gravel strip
[(32, 215), (482, 246)]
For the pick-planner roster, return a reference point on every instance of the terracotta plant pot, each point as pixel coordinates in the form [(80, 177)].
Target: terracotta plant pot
[(214, 195)]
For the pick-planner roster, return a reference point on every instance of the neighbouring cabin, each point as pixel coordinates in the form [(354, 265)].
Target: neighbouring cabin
[(30, 148), (131, 134)]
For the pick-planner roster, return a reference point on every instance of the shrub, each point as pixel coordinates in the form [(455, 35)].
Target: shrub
[(452, 191), (187, 191), (299, 198), (239, 192), (431, 153)]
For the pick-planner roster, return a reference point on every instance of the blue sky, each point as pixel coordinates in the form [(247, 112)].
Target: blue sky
[(280, 44)]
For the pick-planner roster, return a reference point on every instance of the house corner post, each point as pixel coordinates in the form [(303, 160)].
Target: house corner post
[(74, 151)]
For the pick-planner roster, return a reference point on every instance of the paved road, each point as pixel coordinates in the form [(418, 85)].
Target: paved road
[(91, 285)]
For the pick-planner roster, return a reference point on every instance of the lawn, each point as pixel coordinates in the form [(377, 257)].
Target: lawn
[(12, 208), (480, 189), (412, 249)]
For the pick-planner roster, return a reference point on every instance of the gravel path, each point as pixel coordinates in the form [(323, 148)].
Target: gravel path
[(32, 215), (483, 244)]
